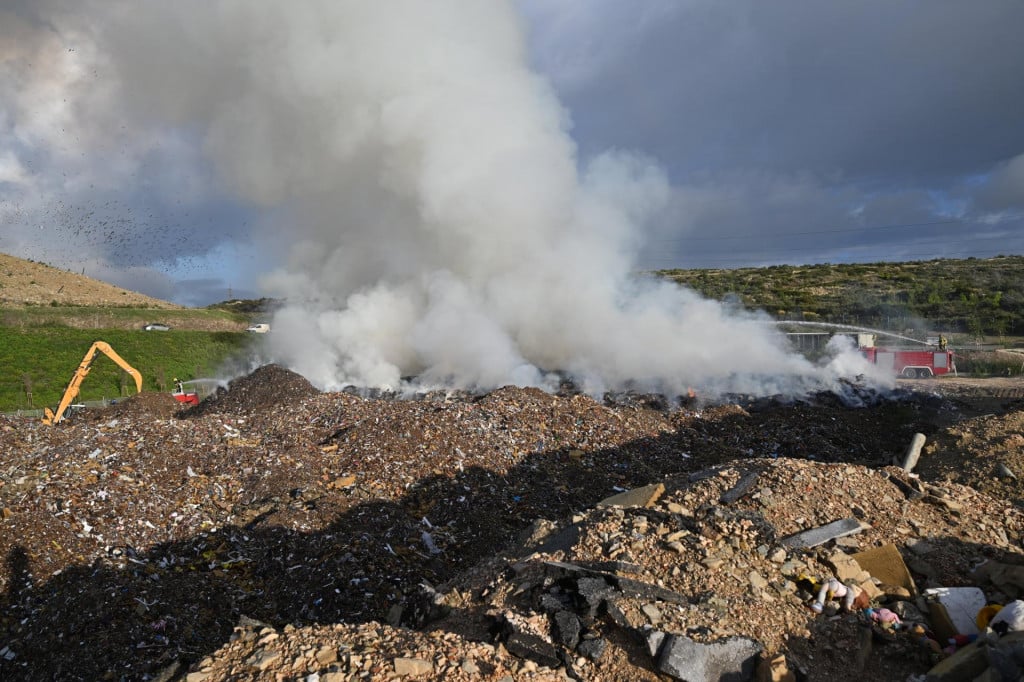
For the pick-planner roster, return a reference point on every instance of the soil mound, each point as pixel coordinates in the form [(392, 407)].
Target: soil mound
[(268, 386), (150, 404)]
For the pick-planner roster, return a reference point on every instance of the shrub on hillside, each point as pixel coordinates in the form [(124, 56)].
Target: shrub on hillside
[(990, 363)]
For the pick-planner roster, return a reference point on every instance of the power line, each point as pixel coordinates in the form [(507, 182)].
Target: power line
[(780, 253), (666, 265), (809, 232)]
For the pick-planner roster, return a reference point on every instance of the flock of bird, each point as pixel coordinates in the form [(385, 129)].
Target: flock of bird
[(67, 235)]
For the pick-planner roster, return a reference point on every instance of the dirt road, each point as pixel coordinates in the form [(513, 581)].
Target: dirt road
[(950, 386)]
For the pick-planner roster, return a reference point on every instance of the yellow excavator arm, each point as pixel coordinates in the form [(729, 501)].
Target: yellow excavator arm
[(83, 369)]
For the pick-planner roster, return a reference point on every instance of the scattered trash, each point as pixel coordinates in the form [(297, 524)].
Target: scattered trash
[(428, 542), (850, 597), (1009, 618), (884, 617), (819, 536), (954, 610), (251, 505), (1003, 471), (913, 453)]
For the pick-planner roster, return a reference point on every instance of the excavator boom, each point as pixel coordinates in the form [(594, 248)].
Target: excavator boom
[(83, 369)]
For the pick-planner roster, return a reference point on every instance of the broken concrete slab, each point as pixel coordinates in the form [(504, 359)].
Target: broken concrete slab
[(561, 541), (592, 648), (703, 474), (528, 646), (654, 640), (822, 534), (908, 490), (945, 502), (617, 615), (628, 586), (592, 592), (612, 566), (886, 565), (741, 488), (1007, 578), (568, 628), (553, 603), (638, 588), (637, 497), (844, 567), (733, 659)]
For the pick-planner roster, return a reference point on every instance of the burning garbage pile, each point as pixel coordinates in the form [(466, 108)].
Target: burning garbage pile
[(276, 528)]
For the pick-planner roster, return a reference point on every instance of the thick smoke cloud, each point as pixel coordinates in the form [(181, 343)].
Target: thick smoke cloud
[(84, 184), (424, 185), (790, 132)]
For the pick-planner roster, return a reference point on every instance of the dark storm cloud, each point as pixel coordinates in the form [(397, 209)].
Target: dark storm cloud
[(878, 89), (1003, 189), (804, 131), (788, 131)]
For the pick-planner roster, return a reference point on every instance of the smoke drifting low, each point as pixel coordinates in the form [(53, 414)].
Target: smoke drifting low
[(426, 189)]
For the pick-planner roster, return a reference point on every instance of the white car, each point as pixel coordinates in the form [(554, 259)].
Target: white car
[(259, 328), (156, 327)]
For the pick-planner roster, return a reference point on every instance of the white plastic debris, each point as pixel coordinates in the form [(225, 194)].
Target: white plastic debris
[(428, 542)]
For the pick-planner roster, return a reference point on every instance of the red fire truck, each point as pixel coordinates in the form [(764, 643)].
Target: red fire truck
[(923, 363), (183, 396)]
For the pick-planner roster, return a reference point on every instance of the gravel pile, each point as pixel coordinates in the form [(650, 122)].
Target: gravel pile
[(276, 532)]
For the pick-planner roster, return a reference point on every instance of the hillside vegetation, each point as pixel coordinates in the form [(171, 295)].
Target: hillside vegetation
[(26, 283), (50, 317), (977, 297), (39, 362), (43, 337)]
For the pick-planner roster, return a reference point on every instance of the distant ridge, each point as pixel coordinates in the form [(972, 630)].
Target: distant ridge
[(27, 283)]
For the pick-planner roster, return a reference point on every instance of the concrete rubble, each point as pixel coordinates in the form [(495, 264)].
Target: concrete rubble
[(276, 532)]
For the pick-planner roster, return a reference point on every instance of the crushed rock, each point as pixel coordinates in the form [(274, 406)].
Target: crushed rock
[(272, 525)]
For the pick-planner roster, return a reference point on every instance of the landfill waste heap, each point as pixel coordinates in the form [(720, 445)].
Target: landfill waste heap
[(277, 532)]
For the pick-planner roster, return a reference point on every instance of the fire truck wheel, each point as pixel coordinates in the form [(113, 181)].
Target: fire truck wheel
[(909, 372), (923, 374)]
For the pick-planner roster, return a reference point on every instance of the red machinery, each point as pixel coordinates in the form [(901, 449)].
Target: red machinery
[(912, 363), (187, 398), (183, 396)]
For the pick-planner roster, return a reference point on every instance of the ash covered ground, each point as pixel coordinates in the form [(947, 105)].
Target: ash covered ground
[(277, 532)]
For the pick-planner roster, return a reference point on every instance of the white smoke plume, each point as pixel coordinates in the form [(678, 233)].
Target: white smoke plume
[(425, 188)]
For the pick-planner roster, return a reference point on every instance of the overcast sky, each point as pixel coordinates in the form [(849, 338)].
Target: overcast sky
[(788, 132)]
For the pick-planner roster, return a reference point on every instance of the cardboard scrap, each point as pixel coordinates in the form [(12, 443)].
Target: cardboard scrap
[(886, 565), (637, 497)]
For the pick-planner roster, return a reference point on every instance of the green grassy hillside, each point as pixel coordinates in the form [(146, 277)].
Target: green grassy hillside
[(36, 363), (41, 346), (123, 318)]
